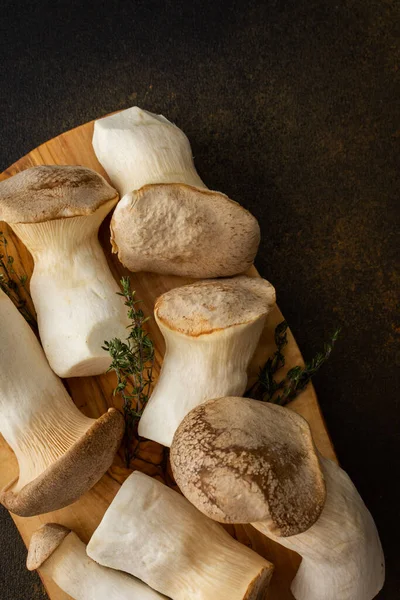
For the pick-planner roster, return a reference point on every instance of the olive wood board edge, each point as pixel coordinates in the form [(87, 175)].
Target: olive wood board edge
[(94, 394)]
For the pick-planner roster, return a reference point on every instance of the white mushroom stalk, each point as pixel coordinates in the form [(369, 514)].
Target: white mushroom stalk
[(342, 553), (167, 220), (137, 147), (56, 212), (155, 534), (60, 452), (240, 460), (61, 555), (211, 330)]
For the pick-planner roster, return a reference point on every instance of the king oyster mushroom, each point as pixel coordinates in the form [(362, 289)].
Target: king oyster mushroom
[(239, 461), (59, 553), (211, 330), (61, 453), (153, 533), (167, 220), (56, 211)]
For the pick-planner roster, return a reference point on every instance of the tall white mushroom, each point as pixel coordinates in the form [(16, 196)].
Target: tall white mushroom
[(211, 330), (60, 554), (60, 452), (56, 211), (239, 460), (168, 221), (155, 534)]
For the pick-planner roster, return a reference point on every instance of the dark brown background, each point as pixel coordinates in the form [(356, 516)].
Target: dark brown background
[(292, 108)]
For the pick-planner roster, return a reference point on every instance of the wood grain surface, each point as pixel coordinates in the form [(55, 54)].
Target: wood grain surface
[(94, 394)]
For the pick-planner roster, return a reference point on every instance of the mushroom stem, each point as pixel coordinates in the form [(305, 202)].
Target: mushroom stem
[(195, 370), (342, 554), (79, 576), (211, 331), (74, 292), (40, 422), (155, 534), (137, 147)]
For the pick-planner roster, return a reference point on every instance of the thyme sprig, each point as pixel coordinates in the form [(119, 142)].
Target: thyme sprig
[(11, 282), (268, 389), (132, 361)]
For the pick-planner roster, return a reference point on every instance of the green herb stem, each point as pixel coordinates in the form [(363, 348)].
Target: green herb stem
[(132, 361), (267, 389)]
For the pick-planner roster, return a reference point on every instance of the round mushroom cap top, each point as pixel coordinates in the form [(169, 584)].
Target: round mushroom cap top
[(215, 304), (50, 192), (43, 543), (241, 461), (174, 228)]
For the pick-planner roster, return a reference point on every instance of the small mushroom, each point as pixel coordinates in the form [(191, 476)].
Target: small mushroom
[(61, 453), (211, 330), (167, 221), (153, 533), (56, 211), (239, 460), (60, 554)]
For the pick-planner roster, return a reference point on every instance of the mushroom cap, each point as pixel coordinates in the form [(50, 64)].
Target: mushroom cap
[(50, 192), (43, 543), (240, 461), (208, 306), (63, 482), (183, 230)]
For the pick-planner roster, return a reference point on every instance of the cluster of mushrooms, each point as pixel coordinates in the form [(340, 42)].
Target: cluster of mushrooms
[(235, 460)]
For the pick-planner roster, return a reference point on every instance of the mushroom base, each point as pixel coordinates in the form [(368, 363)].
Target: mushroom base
[(195, 370)]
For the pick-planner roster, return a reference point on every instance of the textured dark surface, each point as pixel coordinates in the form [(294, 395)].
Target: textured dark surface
[(292, 109)]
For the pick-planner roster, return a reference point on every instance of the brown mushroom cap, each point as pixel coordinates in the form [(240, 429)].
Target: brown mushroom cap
[(183, 230), (71, 475), (204, 307), (52, 192), (43, 543), (241, 461)]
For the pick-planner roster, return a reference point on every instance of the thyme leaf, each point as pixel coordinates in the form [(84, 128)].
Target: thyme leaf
[(267, 389), (11, 282), (132, 362)]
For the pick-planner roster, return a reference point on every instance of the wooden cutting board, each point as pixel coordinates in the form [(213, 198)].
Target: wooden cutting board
[(94, 394)]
